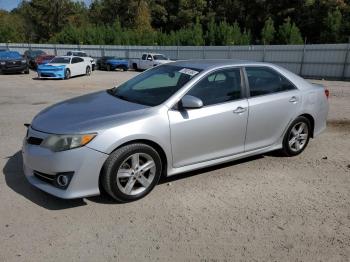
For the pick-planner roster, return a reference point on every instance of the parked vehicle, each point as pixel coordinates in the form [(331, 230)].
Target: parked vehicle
[(111, 63), (43, 59), (64, 67), (31, 56), (13, 62), (149, 60), (84, 55), (170, 119)]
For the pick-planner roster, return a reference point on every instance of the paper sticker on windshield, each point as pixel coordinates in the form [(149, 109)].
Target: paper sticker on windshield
[(188, 71)]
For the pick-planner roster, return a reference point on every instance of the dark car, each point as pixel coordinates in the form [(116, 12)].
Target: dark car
[(111, 63), (13, 62), (31, 55), (43, 59)]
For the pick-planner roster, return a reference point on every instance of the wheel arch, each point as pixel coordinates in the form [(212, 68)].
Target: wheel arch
[(150, 143)]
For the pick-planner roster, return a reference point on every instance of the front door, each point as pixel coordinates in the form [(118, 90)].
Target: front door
[(218, 128)]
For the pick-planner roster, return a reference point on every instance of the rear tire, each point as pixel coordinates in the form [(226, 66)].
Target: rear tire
[(108, 67), (131, 172), (26, 71), (297, 137), (124, 68), (134, 66)]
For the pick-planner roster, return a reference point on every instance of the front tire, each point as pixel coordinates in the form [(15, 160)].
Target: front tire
[(131, 172), (109, 68), (88, 71), (67, 74), (297, 137)]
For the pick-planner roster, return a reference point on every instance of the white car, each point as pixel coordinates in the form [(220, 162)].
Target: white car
[(84, 55), (149, 60), (64, 67)]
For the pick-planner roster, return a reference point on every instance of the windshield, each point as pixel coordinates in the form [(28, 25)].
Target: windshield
[(81, 54), (60, 60), (159, 57), (154, 86), (10, 55)]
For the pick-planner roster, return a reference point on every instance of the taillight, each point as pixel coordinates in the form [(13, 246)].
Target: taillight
[(326, 92)]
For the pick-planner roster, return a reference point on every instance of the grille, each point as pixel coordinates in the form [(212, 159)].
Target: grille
[(45, 177), (11, 64), (34, 140), (47, 75)]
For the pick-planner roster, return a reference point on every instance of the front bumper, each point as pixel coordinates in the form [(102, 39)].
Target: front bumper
[(51, 74), (85, 164), (14, 69)]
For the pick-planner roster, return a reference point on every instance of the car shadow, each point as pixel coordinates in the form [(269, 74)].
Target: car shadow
[(15, 179), (105, 199), (177, 177)]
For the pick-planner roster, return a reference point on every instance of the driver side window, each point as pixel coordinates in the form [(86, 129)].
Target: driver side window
[(218, 87)]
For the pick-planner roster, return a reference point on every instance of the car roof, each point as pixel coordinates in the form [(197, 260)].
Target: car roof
[(205, 64)]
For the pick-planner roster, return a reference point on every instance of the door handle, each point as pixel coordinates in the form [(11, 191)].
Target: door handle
[(293, 99), (239, 110)]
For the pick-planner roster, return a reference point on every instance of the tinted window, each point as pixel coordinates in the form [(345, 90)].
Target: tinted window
[(159, 57), (218, 87), (77, 60), (156, 85), (263, 81), (144, 57)]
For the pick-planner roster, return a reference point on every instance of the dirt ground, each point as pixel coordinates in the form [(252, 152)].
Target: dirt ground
[(265, 208)]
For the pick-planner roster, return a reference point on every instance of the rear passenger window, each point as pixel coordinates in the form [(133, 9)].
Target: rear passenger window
[(219, 87), (263, 81)]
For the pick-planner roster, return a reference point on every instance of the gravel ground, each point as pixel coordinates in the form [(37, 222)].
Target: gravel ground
[(265, 208)]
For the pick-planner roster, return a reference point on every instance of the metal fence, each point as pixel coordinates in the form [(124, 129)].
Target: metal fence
[(329, 61)]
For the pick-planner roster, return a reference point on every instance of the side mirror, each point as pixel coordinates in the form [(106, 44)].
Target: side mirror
[(190, 102)]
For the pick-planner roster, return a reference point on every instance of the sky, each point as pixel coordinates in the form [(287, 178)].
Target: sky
[(10, 4)]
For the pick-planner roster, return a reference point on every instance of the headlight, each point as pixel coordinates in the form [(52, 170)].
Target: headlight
[(59, 143), (24, 61), (2, 63)]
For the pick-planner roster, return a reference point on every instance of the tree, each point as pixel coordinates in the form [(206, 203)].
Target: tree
[(143, 17), (268, 32), (289, 33), (332, 25)]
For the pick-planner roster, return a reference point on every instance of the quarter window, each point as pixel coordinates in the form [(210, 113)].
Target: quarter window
[(263, 81), (219, 87)]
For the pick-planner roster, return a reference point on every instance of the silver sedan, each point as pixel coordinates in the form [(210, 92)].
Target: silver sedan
[(170, 119)]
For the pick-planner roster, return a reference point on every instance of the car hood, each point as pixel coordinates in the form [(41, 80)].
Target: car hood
[(88, 113), (50, 66), (116, 61)]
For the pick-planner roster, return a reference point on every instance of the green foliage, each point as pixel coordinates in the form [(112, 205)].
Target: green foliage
[(332, 24), (180, 22), (11, 28), (289, 33), (268, 32)]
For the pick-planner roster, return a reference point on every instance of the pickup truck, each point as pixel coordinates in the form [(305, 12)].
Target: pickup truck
[(149, 60), (83, 55)]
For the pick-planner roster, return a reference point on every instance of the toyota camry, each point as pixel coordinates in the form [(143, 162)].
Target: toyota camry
[(173, 118)]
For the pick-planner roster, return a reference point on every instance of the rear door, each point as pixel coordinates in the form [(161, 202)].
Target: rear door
[(273, 103), (218, 128)]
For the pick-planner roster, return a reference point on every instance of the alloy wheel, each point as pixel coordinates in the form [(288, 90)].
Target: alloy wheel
[(298, 137), (136, 174)]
